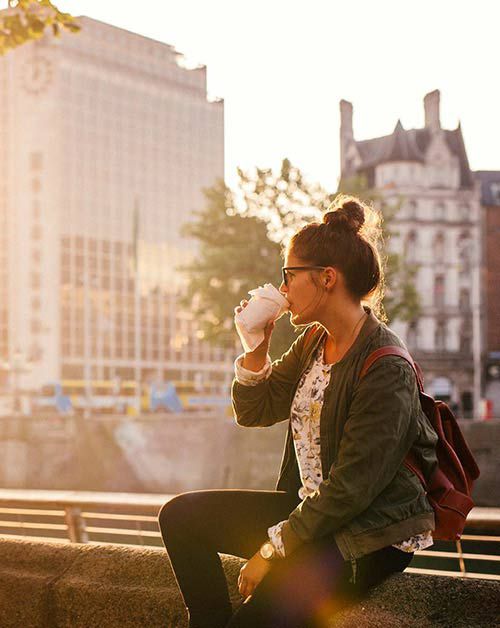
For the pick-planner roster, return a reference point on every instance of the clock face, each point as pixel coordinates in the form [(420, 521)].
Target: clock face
[(37, 74)]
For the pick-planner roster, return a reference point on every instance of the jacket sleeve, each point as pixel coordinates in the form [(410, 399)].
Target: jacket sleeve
[(270, 401), (379, 432)]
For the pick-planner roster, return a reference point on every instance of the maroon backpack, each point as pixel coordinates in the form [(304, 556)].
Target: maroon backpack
[(449, 488)]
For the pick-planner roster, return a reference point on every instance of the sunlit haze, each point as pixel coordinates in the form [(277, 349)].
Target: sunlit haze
[(282, 68)]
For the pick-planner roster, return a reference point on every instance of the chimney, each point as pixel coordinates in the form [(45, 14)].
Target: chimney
[(346, 120), (346, 135), (431, 108)]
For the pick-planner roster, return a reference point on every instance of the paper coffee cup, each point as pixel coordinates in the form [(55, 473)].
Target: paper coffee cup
[(266, 304)]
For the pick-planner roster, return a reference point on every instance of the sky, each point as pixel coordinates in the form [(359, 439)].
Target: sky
[(283, 66)]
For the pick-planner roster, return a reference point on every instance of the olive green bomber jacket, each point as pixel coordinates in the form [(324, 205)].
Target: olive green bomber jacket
[(368, 498)]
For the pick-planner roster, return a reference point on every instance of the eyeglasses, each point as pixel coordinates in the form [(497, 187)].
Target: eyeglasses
[(285, 269)]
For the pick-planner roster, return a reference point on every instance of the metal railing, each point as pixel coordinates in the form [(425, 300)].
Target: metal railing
[(132, 519)]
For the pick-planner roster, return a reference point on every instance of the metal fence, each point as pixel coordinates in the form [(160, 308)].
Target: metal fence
[(132, 519)]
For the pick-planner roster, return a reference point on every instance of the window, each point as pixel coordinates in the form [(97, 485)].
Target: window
[(439, 211), (412, 338), (36, 326), (411, 210), (464, 246), (495, 192), (36, 353), (36, 232), (440, 335), (439, 247), (36, 211), (410, 247), (466, 336), (439, 291), (36, 161), (464, 212), (464, 299)]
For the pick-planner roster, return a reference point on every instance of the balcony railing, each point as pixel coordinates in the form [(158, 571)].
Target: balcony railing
[(131, 519)]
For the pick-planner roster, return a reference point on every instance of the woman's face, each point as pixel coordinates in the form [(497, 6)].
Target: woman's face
[(304, 295)]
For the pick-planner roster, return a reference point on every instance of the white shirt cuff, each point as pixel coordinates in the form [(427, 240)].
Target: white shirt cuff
[(274, 533), (251, 378)]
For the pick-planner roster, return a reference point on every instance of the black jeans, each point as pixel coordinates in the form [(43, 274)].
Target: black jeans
[(299, 591)]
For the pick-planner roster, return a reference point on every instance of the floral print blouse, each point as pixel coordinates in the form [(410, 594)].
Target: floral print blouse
[(305, 425)]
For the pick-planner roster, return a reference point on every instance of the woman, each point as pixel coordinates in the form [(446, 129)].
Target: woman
[(347, 512)]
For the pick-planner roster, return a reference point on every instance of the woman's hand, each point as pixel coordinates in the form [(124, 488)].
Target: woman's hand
[(263, 348), (241, 306), (251, 574)]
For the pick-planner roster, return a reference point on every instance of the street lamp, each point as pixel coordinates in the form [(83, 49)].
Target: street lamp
[(477, 349)]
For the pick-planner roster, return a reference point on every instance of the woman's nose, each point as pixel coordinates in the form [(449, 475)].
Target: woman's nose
[(283, 288)]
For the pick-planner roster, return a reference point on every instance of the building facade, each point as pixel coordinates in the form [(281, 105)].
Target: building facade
[(425, 174), (490, 200), (106, 144)]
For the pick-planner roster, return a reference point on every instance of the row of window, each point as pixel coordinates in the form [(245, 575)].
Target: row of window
[(445, 175), (105, 334), (440, 248), (79, 243), (441, 333), (76, 350), (440, 211), (464, 299)]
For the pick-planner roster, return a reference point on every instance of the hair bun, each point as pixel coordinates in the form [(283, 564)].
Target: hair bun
[(349, 216)]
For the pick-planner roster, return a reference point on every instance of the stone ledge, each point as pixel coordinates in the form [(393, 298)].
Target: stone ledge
[(53, 585)]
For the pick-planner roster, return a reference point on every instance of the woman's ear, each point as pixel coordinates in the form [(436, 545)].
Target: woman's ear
[(330, 277)]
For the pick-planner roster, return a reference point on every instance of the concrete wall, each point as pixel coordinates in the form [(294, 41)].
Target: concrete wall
[(164, 455), (172, 454), (484, 440), (49, 585)]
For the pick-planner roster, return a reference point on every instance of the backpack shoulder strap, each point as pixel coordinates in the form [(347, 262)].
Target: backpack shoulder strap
[(410, 460), (397, 351)]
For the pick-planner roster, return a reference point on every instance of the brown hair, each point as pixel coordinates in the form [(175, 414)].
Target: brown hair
[(348, 239)]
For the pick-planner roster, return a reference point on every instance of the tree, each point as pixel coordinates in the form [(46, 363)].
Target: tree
[(286, 201), (26, 20), (241, 234), (235, 256)]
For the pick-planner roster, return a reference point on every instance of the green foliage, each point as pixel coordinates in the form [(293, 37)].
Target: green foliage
[(26, 20), (235, 256), (240, 235), (285, 201), (401, 298)]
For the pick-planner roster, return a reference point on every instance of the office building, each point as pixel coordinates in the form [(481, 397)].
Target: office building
[(107, 141)]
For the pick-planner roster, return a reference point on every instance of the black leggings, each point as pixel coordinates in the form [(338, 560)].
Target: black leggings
[(299, 591)]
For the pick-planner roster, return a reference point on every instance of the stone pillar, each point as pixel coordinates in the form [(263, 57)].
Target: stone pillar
[(431, 108), (346, 134)]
